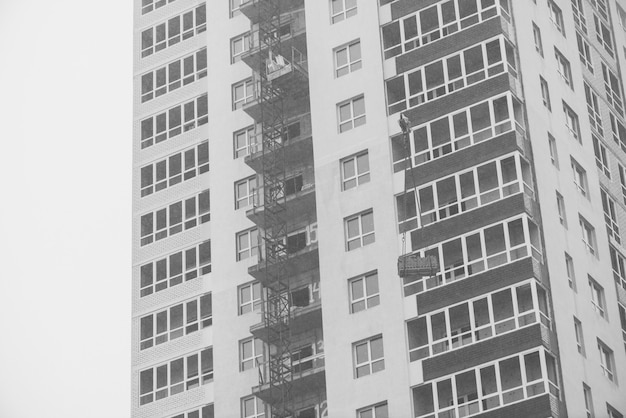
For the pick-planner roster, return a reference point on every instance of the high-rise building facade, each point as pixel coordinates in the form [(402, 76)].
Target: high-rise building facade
[(277, 203)]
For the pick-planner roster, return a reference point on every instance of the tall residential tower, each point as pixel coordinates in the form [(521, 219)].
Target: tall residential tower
[(275, 192)]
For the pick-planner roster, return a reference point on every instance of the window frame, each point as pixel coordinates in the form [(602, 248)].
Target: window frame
[(353, 120), (580, 178), (555, 14), (256, 359), (607, 361), (249, 196), (563, 68), (347, 10), (597, 299), (245, 39), (251, 250), (362, 236), (370, 365), (358, 178), (254, 304), (368, 300), (351, 65), (588, 236), (248, 93)]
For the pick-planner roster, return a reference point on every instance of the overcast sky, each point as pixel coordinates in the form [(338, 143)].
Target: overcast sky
[(65, 196)]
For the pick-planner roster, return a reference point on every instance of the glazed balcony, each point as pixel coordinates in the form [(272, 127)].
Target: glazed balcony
[(297, 146), (256, 10)]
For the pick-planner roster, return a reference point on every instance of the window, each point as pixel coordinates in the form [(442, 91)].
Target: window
[(571, 122), (618, 130), (556, 16), (244, 192), (560, 207), (149, 5), (176, 321), (588, 401), (174, 269), (465, 127), (351, 113), (239, 45), (247, 244), (342, 9), (457, 71), (602, 159), (244, 142), (622, 320), (251, 352), (610, 216), (476, 251), (580, 177), (588, 236), (176, 376), (477, 320), (607, 363), (368, 356), (465, 191), (618, 263), (175, 169), (584, 52), (612, 412), (243, 92), (207, 411), (537, 37), (593, 108), (174, 75), (355, 170), (359, 230), (612, 88), (578, 332), (437, 21), (252, 407), (554, 156), (602, 8), (170, 220), (234, 7), (376, 411), (571, 274), (364, 293), (488, 386), (545, 93), (621, 14), (579, 15), (622, 180), (603, 35), (563, 68), (250, 298), (168, 124), (597, 297), (173, 31), (347, 58)]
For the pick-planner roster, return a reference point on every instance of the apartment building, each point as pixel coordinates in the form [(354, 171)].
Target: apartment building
[(275, 195)]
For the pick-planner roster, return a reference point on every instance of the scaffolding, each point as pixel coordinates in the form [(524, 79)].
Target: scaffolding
[(277, 312)]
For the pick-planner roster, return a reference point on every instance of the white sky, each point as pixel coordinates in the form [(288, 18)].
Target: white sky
[(65, 195)]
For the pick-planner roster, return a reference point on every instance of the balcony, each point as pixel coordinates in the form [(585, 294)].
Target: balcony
[(297, 146), (308, 376), (303, 318), (300, 202), (290, 35), (255, 10), (279, 104), (297, 263)]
